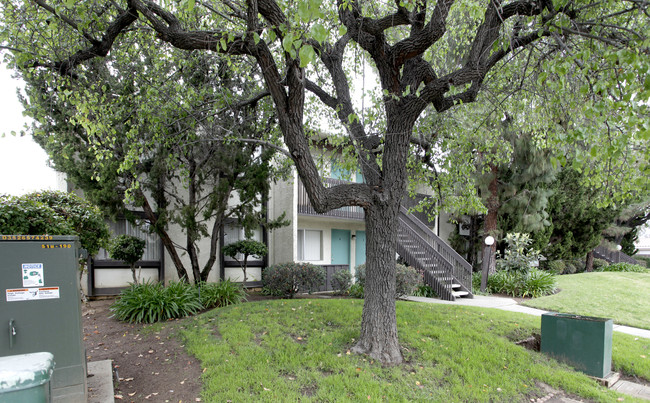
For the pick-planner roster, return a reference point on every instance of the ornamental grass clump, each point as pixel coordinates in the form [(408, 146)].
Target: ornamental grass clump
[(151, 302), (223, 293)]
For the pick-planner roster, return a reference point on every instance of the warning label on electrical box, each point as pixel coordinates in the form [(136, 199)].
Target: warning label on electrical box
[(32, 274), (31, 294)]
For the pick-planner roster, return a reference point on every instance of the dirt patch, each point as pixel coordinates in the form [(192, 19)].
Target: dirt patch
[(533, 342), (148, 366)]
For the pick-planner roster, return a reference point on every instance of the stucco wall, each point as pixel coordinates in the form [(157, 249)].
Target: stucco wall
[(283, 241)]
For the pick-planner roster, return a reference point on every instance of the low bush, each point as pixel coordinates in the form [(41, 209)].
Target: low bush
[(427, 292), (624, 267), (570, 268), (356, 291), (579, 264), (286, 279), (341, 281), (643, 260), (152, 302), (535, 283), (407, 279), (599, 264), (556, 266), (223, 293)]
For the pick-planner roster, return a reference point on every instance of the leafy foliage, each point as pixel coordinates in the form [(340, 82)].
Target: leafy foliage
[(287, 279), (247, 248), (341, 281), (535, 283), (127, 248), (426, 291), (223, 293), (623, 267), (518, 257), (407, 279), (556, 266), (54, 213), (151, 302)]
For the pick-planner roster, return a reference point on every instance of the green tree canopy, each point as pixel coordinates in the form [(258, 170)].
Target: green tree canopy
[(54, 213), (429, 59)]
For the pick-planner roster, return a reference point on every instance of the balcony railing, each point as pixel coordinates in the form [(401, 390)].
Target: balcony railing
[(347, 212)]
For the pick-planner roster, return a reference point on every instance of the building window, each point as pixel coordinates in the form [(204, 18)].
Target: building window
[(141, 230), (233, 233), (310, 245)]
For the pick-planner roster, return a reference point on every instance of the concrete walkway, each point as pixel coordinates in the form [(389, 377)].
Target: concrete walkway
[(509, 304)]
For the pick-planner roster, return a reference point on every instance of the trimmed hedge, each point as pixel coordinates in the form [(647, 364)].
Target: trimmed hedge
[(286, 279)]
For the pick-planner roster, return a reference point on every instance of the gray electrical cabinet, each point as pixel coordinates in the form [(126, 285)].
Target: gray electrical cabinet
[(41, 308)]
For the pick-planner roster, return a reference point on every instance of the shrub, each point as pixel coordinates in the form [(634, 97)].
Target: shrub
[(426, 291), (223, 293), (518, 256), (643, 260), (152, 302), (286, 279), (556, 266), (570, 268), (129, 249), (406, 279), (624, 267), (599, 264), (341, 281), (535, 283), (539, 283), (356, 291), (579, 264)]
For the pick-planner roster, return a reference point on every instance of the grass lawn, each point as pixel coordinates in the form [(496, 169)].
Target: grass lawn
[(624, 297), (298, 350)]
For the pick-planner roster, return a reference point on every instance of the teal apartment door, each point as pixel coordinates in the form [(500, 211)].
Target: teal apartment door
[(340, 246)]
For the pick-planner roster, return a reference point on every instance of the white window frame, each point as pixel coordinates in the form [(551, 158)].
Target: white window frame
[(302, 241)]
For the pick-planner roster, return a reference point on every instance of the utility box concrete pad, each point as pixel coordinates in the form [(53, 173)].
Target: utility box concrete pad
[(40, 309), (581, 341)]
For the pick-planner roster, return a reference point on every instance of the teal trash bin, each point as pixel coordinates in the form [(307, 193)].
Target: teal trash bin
[(25, 378)]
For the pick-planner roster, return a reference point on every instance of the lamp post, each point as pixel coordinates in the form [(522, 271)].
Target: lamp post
[(485, 264), (618, 254)]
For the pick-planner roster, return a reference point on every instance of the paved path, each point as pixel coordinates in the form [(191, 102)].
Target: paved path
[(509, 304)]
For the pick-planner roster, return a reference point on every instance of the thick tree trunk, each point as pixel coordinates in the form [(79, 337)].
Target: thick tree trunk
[(589, 264), (491, 218), (378, 337)]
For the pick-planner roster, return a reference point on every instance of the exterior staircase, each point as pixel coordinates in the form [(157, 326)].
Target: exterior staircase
[(612, 256), (444, 270)]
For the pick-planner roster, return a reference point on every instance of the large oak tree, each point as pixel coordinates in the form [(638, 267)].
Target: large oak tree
[(427, 56)]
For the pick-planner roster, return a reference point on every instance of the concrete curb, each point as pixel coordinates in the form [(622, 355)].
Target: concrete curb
[(100, 382)]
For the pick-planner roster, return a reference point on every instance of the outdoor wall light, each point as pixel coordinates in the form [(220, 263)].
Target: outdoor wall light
[(489, 240)]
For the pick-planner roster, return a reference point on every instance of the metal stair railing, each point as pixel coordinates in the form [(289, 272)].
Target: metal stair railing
[(613, 256), (423, 249)]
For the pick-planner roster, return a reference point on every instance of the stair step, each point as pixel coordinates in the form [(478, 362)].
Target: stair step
[(459, 293), (455, 285)]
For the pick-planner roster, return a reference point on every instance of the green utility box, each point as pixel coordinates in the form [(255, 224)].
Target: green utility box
[(25, 378), (41, 308), (581, 341)]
